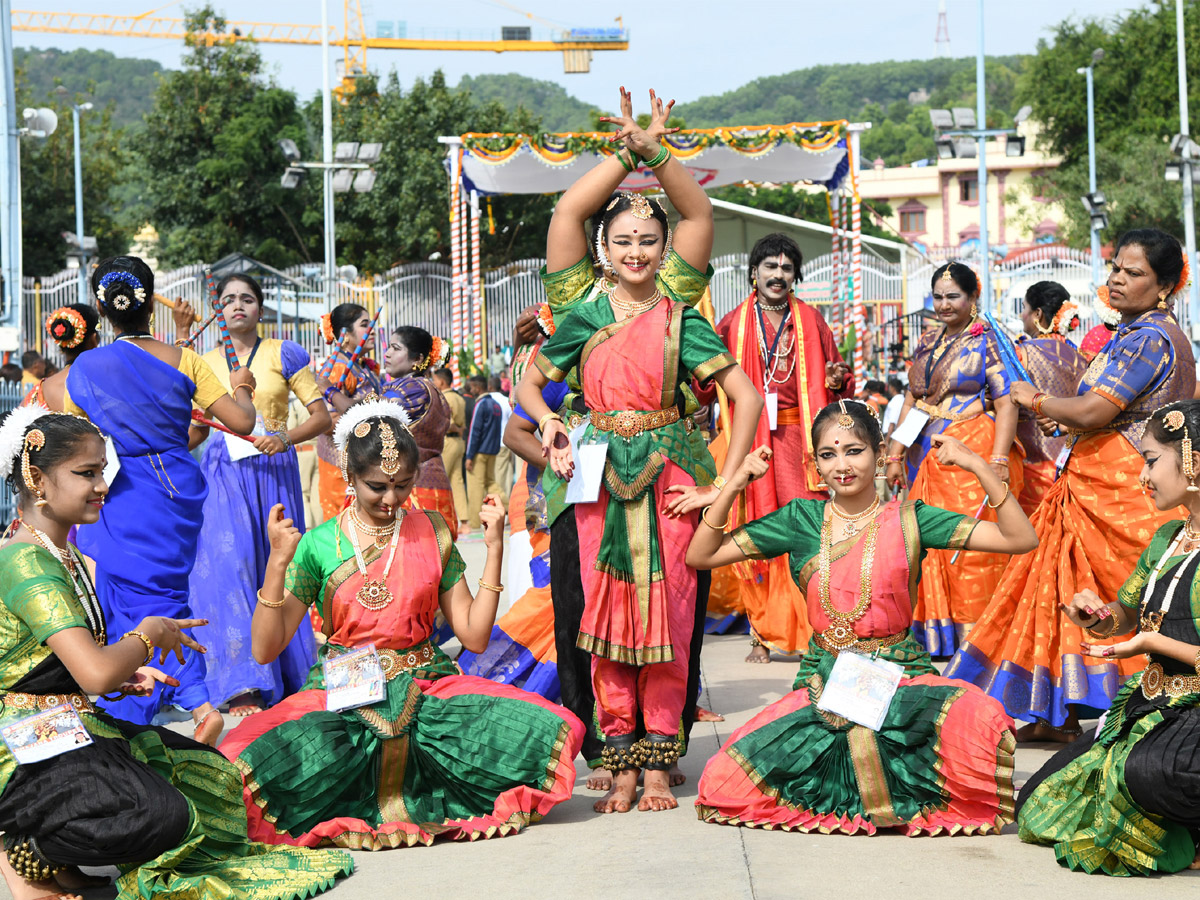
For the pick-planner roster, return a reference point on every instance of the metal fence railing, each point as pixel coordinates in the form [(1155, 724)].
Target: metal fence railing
[(11, 394)]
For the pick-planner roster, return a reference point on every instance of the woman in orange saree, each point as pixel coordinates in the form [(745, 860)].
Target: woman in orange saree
[(635, 348), (344, 328), (1093, 522), (957, 382), (1054, 366)]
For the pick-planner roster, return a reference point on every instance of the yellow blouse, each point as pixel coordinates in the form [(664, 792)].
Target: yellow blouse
[(275, 378)]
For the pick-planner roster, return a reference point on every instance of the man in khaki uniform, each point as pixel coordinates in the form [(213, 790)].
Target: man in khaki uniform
[(454, 446)]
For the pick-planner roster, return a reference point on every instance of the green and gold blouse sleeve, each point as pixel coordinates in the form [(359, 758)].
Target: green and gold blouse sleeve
[(568, 286), (453, 571), (1130, 594), (701, 351), (305, 576), (942, 529), (682, 282), (786, 530), (35, 588), (560, 354)]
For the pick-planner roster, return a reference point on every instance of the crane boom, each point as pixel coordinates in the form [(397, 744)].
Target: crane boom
[(274, 33)]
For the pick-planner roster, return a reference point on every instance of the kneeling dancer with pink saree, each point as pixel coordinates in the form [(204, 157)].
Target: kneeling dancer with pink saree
[(438, 754), (938, 756)]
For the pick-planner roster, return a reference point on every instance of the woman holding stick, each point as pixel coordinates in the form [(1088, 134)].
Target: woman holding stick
[(244, 482), (140, 391)]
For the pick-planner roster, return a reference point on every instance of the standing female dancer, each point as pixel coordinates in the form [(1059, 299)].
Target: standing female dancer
[(957, 380), (1094, 521), (633, 347), (241, 493), (343, 329), (140, 392), (942, 759), (442, 754), (75, 329), (1054, 366), (144, 799), (410, 354), (1127, 801)]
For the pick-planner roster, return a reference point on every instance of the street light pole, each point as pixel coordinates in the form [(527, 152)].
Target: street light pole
[(1189, 218), (985, 268), (76, 108), (1093, 224), (10, 177), (327, 156)]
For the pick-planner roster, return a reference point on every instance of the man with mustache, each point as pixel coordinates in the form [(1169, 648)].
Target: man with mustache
[(790, 354)]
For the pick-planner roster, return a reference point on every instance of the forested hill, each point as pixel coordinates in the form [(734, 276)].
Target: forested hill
[(103, 77), (559, 111)]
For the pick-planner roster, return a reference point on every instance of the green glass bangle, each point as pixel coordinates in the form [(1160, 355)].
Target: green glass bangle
[(627, 166), (660, 157)]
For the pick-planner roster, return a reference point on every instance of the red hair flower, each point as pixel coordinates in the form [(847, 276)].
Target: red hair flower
[(977, 329), (327, 328)]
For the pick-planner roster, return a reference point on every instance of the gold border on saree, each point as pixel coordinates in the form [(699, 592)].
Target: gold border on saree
[(630, 423), (16, 700), (936, 412)]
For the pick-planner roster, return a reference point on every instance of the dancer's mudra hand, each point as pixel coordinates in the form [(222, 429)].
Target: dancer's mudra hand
[(491, 514), (953, 452), (556, 449), (282, 533), (1086, 609), (641, 142), (753, 467), (168, 636), (835, 375), (1135, 646), (141, 683)]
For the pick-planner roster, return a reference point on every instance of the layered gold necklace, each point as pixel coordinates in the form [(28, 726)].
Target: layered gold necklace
[(841, 633)]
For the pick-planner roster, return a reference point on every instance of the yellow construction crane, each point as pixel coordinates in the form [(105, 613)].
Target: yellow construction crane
[(576, 44)]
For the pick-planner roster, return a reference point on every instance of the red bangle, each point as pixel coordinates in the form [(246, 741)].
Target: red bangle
[(1036, 404)]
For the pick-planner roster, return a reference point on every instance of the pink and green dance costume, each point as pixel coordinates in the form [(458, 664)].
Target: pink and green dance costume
[(639, 596), (442, 755), (942, 760), (1127, 801)]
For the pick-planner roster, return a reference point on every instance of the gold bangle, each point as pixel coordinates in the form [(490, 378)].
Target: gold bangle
[(247, 387), (719, 482), (1094, 631), (704, 519), (991, 505), (271, 604), (145, 640), (546, 418), (484, 586)]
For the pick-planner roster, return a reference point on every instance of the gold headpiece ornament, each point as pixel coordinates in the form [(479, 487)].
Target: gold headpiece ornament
[(946, 276), (844, 419), (362, 429), (1173, 420), (389, 457)]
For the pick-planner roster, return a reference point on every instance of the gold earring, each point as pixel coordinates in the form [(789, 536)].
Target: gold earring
[(974, 309), (1189, 464), (1162, 302)]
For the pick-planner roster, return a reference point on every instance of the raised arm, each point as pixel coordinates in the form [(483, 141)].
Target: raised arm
[(1011, 532)]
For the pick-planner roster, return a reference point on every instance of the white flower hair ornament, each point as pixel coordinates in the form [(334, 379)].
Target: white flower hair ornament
[(356, 421), (12, 435)]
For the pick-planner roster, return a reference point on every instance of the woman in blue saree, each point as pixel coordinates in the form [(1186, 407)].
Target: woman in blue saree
[(140, 392)]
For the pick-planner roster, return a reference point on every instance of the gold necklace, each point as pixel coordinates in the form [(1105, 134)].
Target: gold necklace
[(841, 633), (379, 534), (374, 594), (632, 308), (852, 520), (83, 592)]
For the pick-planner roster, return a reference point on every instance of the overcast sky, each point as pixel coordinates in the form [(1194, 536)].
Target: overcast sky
[(708, 48)]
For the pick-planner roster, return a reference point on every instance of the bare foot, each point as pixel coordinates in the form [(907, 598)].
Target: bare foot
[(209, 725), (676, 777), (245, 705), (657, 796), (599, 780), (758, 654), (30, 890), (1034, 732), (624, 792), (707, 715)]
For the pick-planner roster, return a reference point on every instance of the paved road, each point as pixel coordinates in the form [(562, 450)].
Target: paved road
[(575, 853)]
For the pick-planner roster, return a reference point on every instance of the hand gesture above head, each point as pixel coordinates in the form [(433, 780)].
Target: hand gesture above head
[(642, 142)]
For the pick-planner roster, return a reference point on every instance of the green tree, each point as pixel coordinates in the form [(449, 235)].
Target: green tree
[(1137, 110), (800, 204), (211, 160), (48, 183), (405, 217)]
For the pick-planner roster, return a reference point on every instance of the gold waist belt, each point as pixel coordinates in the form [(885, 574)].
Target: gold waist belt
[(1155, 683), (936, 412), (633, 422), (31, 702), (393, 662), (862, 645)]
